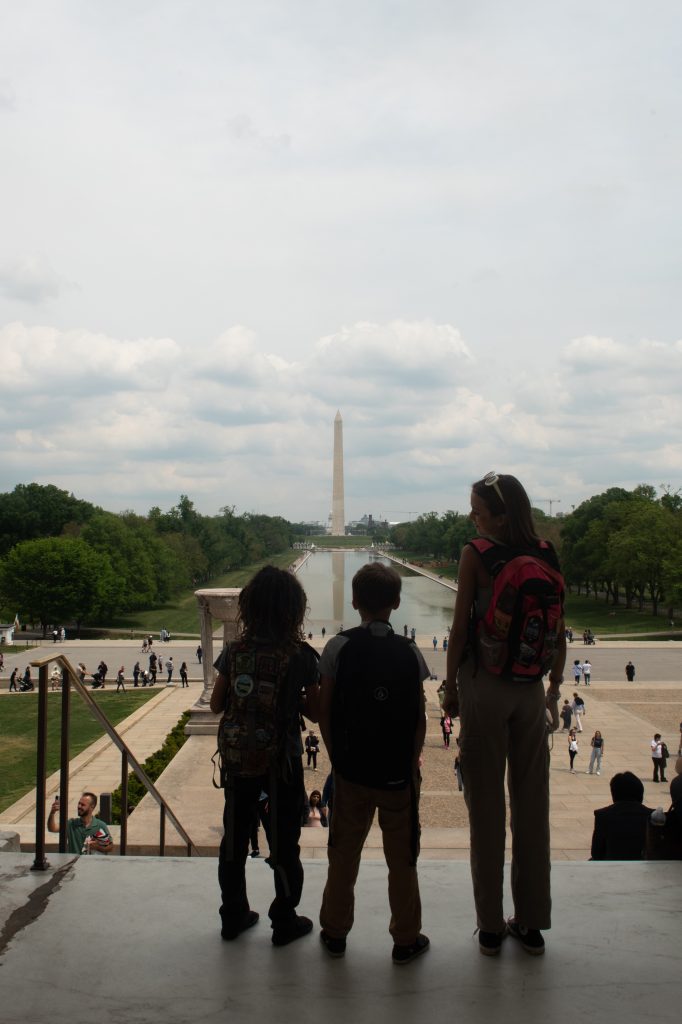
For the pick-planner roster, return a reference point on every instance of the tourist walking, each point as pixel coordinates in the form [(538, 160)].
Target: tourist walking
[(503, 719), (577, 670), (578, 707), (566, 714), (587, 671), (597, 744), (183, 675), (120, 679), (630, 672), (572, 749), (446, 728)]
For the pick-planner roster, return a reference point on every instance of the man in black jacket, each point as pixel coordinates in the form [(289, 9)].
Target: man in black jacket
[(620, 829)]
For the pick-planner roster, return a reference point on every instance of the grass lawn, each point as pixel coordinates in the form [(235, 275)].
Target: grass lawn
[(586, 612), (19, 729), (326, 541)]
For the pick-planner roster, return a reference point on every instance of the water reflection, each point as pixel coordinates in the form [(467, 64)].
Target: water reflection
[(326, 578)]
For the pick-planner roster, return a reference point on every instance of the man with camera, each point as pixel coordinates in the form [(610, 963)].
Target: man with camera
[(85, 833)]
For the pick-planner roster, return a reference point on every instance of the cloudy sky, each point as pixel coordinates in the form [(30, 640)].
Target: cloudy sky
[(457, 223)]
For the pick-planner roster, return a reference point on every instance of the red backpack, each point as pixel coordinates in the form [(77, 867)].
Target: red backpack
[(518, 634)]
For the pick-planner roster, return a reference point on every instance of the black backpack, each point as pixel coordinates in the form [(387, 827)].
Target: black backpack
[(375, 709)]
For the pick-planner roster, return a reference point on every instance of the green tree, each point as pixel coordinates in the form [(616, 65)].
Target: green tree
[(57, 579), (35, 510)]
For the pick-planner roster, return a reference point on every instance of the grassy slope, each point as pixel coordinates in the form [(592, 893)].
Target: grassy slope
[(18, 730)]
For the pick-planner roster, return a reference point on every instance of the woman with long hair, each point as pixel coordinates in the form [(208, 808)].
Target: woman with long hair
[(597, 744), (573, 747), (266, 678), (504, 724)]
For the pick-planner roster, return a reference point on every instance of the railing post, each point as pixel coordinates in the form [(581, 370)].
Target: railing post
[(64, 760), (40, 863), (162, 832), (124, 802)]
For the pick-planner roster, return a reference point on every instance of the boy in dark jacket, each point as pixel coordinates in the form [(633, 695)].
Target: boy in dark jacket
[(372, 718)]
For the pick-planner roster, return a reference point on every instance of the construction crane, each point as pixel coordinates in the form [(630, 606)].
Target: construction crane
[(397, 512), (550, 502)]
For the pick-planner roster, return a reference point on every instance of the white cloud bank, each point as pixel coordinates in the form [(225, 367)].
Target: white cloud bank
[(129, 423)]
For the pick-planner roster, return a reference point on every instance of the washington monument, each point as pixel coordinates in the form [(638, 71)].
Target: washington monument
[(338, 514)]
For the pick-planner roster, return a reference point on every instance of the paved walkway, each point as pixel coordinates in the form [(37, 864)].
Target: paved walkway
[(187, 782)]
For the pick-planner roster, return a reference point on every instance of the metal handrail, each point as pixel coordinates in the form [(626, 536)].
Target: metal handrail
[(128, 761)]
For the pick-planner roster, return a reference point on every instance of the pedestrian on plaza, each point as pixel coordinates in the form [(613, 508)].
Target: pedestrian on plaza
[(658, 758), (630, 672), (435, 644), (153, 661), (312, 749), (572, 749), (446, 729), (136, 674), (578, 707), (120, 680), (597, 744), (566, 715), (587, 671), (200, 653), (13, 681), (144, 646), (577, 670), (169, 671), (183, 675)]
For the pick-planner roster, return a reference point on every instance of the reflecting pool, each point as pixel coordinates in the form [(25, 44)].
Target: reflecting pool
[(326, 578)]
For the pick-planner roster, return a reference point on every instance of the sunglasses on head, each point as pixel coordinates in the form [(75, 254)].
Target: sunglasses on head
[(492, 480)]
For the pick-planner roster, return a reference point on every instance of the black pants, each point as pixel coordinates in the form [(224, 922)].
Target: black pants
[(312, 756), (659, 769), (283, 830)]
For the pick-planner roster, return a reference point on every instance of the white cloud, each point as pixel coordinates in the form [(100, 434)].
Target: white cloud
[(29, 279), (130, 423)]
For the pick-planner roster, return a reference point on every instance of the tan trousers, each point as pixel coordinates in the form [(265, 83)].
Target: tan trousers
[(504, 730), (353, 812)]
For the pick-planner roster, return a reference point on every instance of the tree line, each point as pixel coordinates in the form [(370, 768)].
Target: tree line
[(624, 546), (66, 560)]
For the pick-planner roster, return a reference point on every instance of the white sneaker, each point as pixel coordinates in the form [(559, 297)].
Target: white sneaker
[(598, 773)]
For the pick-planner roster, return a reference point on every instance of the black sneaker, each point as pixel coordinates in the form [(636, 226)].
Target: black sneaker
[(335, 947), (255, 853), (231, 931), (403, 954), (490, 943), (296, 929), (530, 938)]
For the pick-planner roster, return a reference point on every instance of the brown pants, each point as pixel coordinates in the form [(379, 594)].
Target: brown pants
[(353, 813), (504, 730)]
